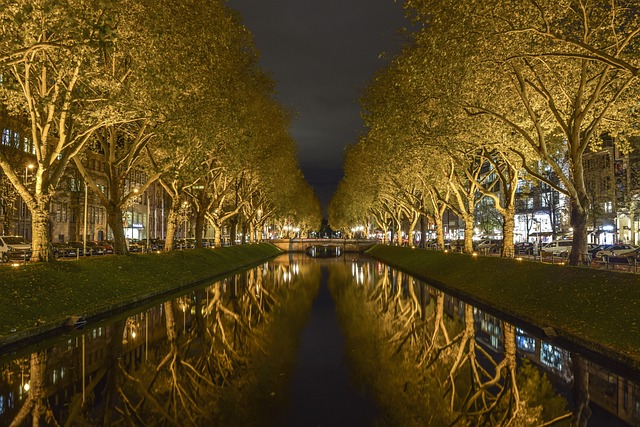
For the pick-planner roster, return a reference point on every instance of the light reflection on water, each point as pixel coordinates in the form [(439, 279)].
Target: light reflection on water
[(172, 361)]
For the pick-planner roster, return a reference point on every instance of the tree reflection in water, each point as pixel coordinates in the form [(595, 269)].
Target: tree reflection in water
[(193, 346), (427, 367), (427, 358)]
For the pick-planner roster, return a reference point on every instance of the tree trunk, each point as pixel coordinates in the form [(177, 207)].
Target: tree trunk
[(36, 404), (580, 391), (423, 231), (243, 239), (170, 324), (468, 234), (114, 219), (252, 231), (437, 219), (40, 228), (578, 253), (172, 220), (508, 225), (200, 221), (217, 238), (510, 355), (234, 231)]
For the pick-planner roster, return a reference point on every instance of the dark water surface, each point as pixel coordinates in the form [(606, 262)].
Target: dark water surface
[(321, 392), (179, 361)]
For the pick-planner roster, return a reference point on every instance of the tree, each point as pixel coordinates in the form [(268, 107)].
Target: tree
[(558, 74), (52, 79)]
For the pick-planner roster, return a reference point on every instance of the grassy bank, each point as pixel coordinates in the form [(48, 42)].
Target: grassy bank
[(41, 297), (598, 309)]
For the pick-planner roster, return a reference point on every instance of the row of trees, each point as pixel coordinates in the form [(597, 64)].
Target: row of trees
[(170, 89), (485, 95)]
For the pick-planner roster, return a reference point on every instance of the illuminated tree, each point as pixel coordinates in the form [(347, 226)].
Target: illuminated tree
[(51, 78), (558, 74)]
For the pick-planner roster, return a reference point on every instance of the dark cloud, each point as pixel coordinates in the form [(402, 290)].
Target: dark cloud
[(322, 53)]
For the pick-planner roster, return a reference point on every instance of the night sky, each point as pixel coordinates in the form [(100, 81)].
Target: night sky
[(322, 54)]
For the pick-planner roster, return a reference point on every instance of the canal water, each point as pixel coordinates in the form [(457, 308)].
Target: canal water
[(302, 341)]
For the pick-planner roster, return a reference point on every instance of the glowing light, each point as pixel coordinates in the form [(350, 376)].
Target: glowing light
[(475, 254), (26, 387)]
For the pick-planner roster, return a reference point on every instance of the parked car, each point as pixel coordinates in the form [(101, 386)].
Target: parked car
[(597, 248), (615, 251), (96, 249), (62, 250), (489, 246), (156, 244), (136, 245), (106, 246), (14, 247), (184, 244), (630, 257), (524, 248), (80, 247), (557, 248)]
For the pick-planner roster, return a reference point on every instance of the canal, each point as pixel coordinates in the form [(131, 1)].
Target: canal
[(302, 341)]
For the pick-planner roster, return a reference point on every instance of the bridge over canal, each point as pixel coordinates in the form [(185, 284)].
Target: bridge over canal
[(301, 245)]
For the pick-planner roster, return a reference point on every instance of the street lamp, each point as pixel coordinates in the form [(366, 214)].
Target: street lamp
[(84, 238), (147, 228), (185, 204)]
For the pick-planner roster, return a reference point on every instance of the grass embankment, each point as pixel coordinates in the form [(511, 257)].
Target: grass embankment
[(40, 297), (598, 309)]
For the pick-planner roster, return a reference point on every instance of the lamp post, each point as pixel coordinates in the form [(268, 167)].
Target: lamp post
[(162, 217), (84, 237), (184, 206), (147, 229)]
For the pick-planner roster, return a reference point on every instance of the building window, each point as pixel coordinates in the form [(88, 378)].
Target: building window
[(544, 202), (6, 137), (608, 207)]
